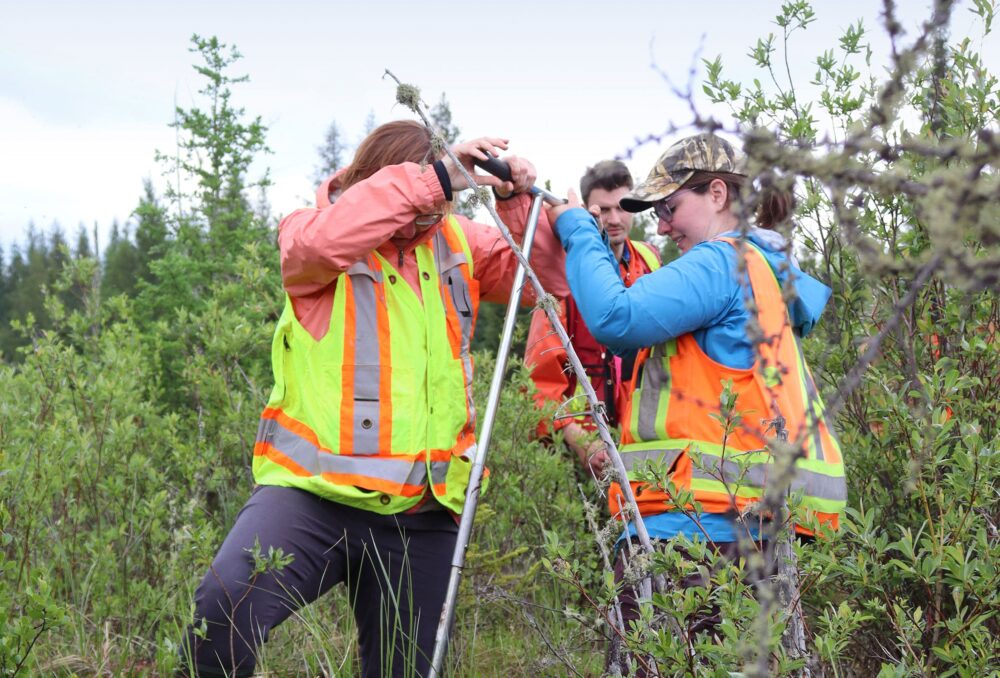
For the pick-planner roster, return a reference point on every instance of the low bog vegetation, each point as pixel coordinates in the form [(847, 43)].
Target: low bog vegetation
[(128, 411)]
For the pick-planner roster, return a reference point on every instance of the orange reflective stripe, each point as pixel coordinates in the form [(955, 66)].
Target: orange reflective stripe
[(352, 445), (368, 471), (465, 440), (263, 449), (347, 369), (454, 326), (296, 427), (368, 342), (376, 484), (677, 405)]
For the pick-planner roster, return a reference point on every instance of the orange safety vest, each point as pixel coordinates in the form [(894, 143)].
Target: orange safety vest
[(669, 417), (380, 408), (546, 357)]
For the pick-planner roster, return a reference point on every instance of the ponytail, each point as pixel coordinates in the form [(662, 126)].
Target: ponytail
[(775, 205)]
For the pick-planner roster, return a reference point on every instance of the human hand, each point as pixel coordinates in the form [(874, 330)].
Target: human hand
[(592, 453), (556, 211), (597, 458), (466, 152), (522, 174), (595, 211)]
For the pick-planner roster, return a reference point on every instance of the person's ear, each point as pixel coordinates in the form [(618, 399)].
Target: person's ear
[(719, 192)]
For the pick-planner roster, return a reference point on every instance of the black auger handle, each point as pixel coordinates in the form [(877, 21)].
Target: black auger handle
[(494, 166)]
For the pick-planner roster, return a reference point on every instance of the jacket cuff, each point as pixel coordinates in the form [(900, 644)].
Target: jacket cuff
[(442, 175), (570, 221)]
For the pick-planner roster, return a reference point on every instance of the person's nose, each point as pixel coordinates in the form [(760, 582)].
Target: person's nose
[(663, 227), (615, 217)]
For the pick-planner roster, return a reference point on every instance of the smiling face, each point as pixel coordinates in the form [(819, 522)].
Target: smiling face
[(696, 215), (613, 218)]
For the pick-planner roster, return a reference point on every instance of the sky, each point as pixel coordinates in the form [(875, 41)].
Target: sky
[(88, 89)]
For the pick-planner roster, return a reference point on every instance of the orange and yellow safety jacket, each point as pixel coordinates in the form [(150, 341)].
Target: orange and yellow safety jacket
[(366, 415), (546, 358), (372, 403), (674, 408)]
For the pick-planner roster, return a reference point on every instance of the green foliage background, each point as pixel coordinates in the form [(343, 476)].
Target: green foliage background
[(132, 385)]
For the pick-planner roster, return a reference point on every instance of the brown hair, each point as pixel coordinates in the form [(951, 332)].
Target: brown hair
[(607, 174), (774, 205), (389, 144)]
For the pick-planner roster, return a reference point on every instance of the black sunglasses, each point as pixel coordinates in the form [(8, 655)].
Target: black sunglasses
[(665, 211)]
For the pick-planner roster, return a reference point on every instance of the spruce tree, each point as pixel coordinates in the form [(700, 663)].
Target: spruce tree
[(82, 249), (121, 264), (215, 150), (331, 153)]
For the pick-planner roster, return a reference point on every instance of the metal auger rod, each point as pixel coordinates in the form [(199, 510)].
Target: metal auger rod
[(479, 461)]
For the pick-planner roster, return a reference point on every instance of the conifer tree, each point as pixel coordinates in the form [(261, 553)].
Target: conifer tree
[(121, 264), (150, 230), (331, 153), (82, 249), (216, 147), (4, 320)]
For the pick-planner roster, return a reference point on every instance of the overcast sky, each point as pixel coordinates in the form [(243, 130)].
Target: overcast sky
[(87, 89)]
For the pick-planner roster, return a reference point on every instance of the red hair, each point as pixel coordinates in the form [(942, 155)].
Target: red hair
[(389, 144)]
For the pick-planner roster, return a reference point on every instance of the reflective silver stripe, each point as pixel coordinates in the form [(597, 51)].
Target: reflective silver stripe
[(448, 265), (655, 385), (439, 469), (362, 268), (315, 462), (367, 370), (811, 483), (439, 472), (634, 459), (813, 405), (264, 430)]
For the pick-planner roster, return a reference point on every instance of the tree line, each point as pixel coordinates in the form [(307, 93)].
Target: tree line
[(140, 366)]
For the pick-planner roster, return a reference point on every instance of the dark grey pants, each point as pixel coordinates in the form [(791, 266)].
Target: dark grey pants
[(395, 567)]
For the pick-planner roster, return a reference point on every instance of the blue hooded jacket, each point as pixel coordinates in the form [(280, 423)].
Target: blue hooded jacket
[(698, 293)]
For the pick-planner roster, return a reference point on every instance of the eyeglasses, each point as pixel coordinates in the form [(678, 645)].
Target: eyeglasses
[(428, 220), (665, 211)]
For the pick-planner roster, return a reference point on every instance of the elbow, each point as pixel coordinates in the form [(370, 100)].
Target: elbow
[(616, 339), (611, 331), (617, 326)]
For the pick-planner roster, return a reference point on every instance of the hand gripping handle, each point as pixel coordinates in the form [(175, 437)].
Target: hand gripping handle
[(494, 166)]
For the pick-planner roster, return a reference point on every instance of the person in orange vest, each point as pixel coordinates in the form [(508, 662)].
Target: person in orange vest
[(363, 452), (697, 340), (601, 187)]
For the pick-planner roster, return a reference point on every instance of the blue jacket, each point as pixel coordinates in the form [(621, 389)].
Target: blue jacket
[(697, 293)]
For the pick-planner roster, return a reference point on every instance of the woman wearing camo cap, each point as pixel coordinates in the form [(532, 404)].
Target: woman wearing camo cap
[(689, 323)]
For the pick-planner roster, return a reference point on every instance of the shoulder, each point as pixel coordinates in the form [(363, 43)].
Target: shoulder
[(705, 275), (712, 256), (475, 231), (647, 252)]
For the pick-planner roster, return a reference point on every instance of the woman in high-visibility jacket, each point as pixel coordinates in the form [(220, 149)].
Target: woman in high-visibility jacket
[(721, 318), (363, 451)]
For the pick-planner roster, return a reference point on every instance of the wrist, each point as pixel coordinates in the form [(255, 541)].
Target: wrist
[(442, 174), (501, 198)]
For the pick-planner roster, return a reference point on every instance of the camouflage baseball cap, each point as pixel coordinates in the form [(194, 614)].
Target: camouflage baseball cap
[(705, 152)]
